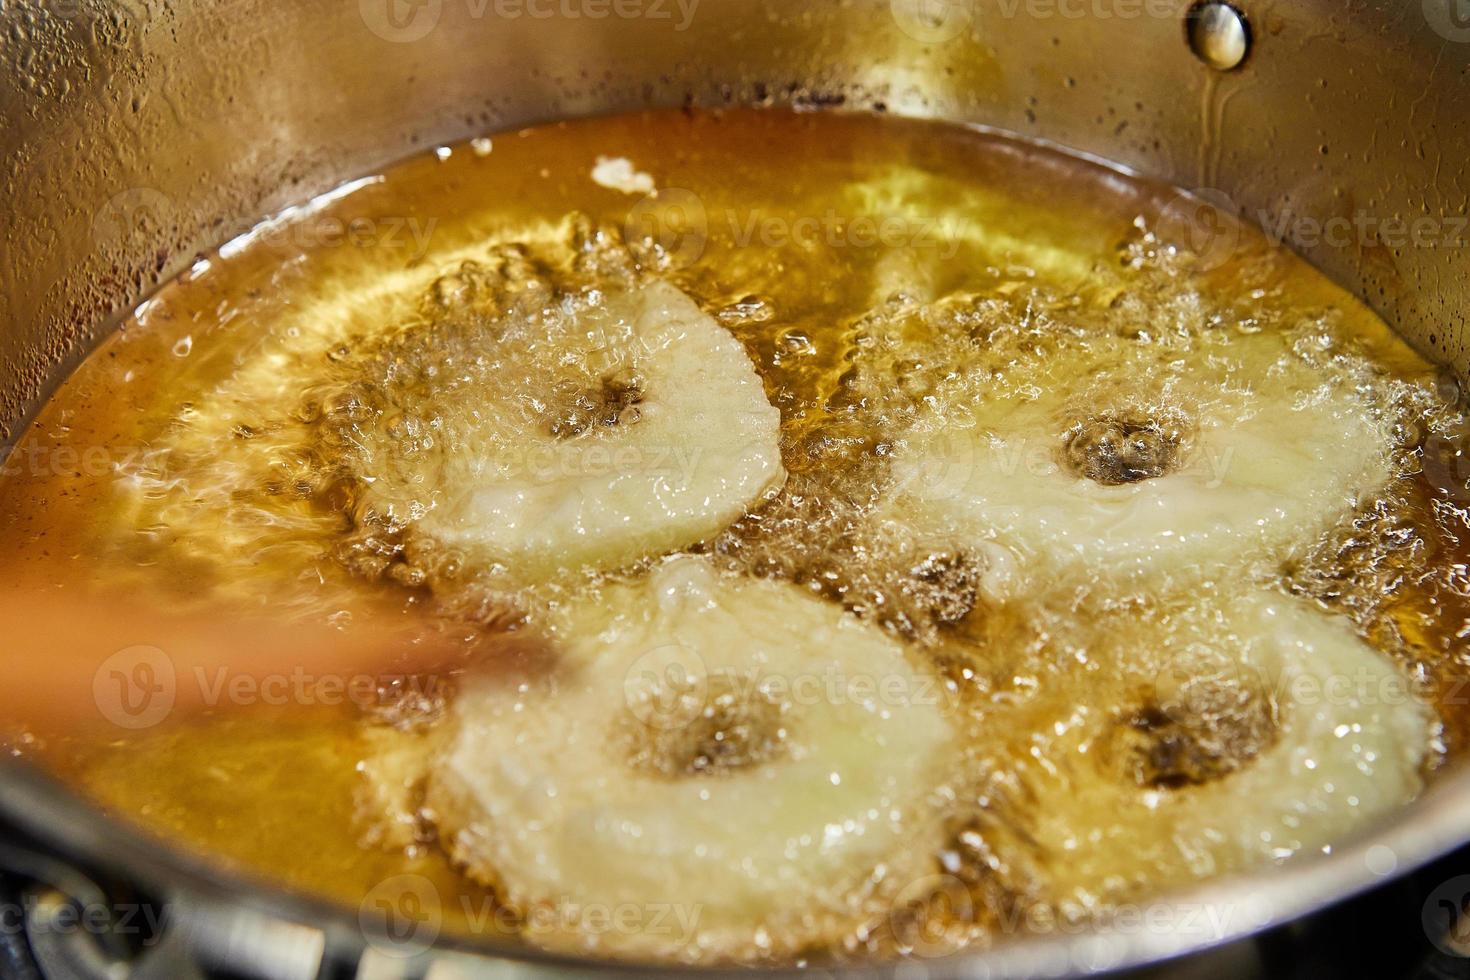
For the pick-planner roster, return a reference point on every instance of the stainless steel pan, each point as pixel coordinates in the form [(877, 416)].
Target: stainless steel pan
[(135, 133)]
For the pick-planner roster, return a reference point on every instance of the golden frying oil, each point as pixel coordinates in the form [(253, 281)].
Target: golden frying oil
[(789, 228)]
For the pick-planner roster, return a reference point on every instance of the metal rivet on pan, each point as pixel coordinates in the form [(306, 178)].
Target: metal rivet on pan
[(1219, 35)]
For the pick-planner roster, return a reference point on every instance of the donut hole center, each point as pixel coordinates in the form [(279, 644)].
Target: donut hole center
[(612, 401), (1117, 449), (735, 730), (1201, 733), (947, 586)]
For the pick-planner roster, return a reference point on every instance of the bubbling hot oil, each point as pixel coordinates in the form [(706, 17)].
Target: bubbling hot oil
[(896, 266)]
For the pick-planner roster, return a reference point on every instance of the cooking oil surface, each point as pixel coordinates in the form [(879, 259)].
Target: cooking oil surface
[(1160, 537)]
